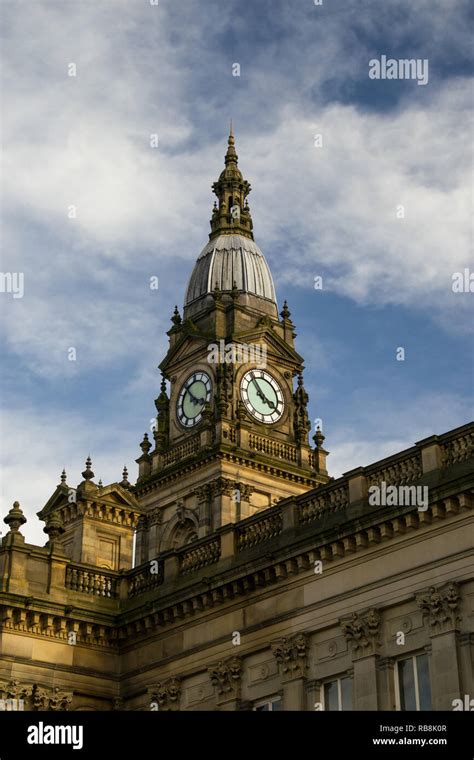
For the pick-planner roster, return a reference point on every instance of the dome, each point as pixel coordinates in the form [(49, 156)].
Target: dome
[(230, 261)]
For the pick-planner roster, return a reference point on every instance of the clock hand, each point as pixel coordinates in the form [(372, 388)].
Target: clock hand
[(193, 398), (196, 400), (260, 393)]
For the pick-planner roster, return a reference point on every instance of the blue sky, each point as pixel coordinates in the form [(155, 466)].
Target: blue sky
[(328, 211)]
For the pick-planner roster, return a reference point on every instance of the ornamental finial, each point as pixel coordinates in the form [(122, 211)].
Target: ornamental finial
[(145, 444), (285, 312), (63, 476), (88, 474), (124, 482), (15, 518), (232, 215), (176, 318), (318, 438)]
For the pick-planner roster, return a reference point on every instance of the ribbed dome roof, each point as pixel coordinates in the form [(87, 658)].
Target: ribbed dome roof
[(230, 261)]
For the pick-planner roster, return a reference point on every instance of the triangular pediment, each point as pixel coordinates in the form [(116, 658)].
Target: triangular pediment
[(185, 347), (275, 344), (112, 495)]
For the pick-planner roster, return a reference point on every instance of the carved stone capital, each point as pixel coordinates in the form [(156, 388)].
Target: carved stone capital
[(155, 517), (291, 655), (143, 522), (50, 699), (226, 675), (166, 694), (362, 632), (222, 487), (203, 493), (441, 607), (245, 490), (14, 690)]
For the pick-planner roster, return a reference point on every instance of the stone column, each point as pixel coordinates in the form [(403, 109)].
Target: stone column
[(141, 546), (225, 505), (245, 492), (203, 495), (466, 661), (291, 655), (386, 667), (441, 610), (362, 634), (155, 521)]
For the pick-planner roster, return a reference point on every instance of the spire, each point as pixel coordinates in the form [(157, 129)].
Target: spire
[(231, 155), (232, 214), (63, 476)]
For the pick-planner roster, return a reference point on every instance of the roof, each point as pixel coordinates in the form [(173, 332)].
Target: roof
[(231, 261)]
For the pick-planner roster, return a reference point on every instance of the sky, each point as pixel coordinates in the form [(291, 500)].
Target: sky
[(363, 182)]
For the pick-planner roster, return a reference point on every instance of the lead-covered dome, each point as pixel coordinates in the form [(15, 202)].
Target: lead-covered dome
[(231, 262)]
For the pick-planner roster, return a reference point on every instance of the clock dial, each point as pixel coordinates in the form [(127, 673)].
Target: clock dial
[(262, 396), (195, 393)]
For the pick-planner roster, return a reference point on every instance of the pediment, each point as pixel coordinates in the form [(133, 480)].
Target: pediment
[(112, 495), (275, 344)]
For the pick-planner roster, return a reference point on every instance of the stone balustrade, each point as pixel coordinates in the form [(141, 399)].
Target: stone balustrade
[(90, 581), (261, 528)]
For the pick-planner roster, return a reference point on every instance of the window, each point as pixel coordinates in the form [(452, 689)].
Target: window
[(269, 705), (413, 683), (337, 695)]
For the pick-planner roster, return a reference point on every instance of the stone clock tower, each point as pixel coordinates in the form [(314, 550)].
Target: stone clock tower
[(231, 435)]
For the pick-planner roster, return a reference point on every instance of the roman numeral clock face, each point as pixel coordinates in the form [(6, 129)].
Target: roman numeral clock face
[(262, 396), (193, 396)]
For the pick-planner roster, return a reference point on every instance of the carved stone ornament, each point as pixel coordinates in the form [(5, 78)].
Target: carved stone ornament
[(222, 487), (50, 699), (166, 694), (225, 675), (14, 690), (362, 632), (291, 655), (441, 606)]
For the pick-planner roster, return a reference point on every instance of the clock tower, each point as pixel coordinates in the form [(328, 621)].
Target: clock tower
[(231, 433)]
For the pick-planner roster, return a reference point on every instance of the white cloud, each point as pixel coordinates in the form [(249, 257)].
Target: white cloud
[(40, 444), (378, 430)]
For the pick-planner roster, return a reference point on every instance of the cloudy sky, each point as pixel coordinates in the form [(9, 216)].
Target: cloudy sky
[(331, 210)]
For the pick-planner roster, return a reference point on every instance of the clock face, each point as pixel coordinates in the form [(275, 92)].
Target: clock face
[(195, 393), (262, 396)]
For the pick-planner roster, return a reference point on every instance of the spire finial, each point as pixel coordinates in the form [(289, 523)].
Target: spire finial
[(232, 216), (176, 318), (63, 476), (124, 482), (285, 312), (88, 474), (318, 438), (145, 444), (231, 155)]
